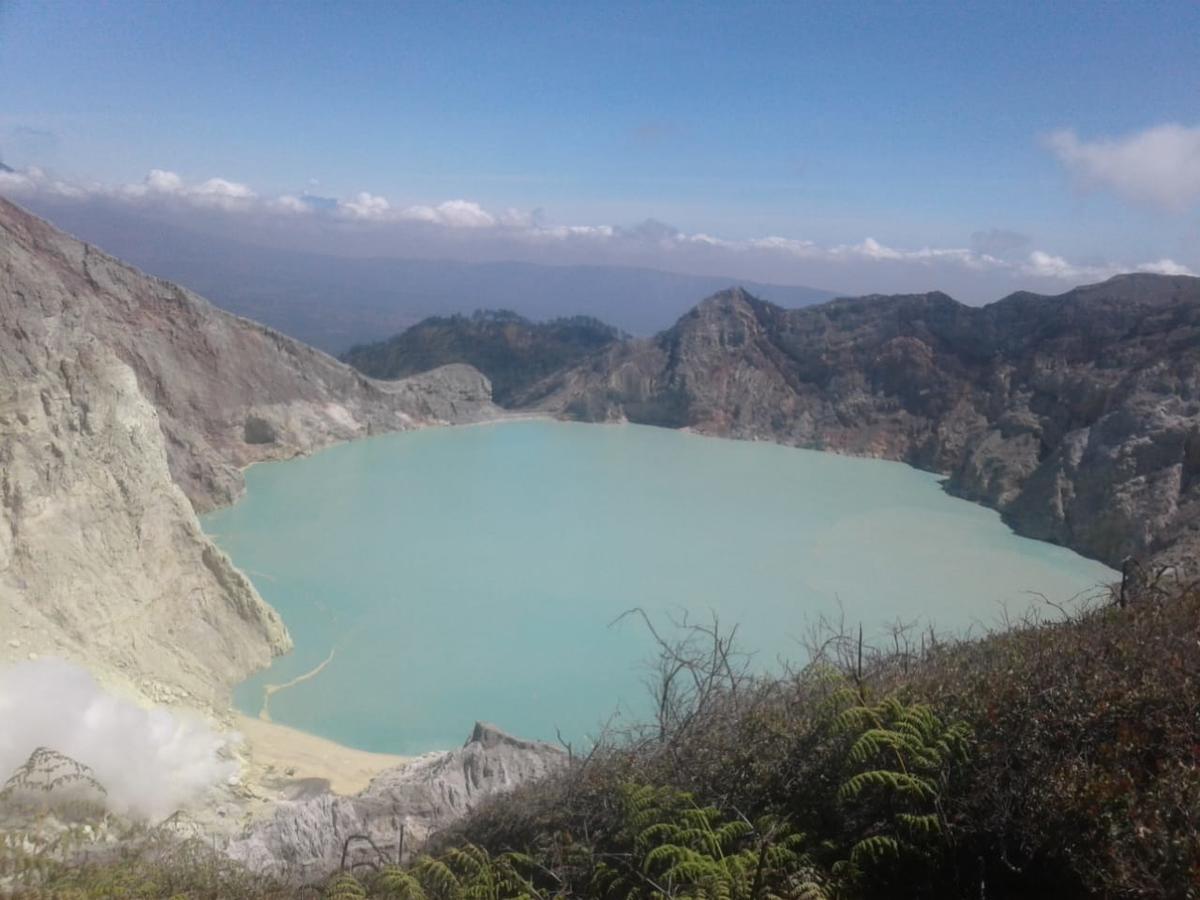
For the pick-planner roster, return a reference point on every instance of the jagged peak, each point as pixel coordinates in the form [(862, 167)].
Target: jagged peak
[(731, 295), (488, 735), (732, 299)]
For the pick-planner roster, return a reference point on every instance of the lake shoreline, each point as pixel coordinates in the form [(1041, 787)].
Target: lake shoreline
[(508, 473), (278, 756)]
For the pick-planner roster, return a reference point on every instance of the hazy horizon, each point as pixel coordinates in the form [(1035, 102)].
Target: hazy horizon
[(861, 149)]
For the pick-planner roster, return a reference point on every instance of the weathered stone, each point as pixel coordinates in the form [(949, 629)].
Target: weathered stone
[(306, 837), (124, 397), (1075, 415)]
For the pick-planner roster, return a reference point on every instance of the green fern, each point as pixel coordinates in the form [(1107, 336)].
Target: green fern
[(396, 883), (343, 886), (469, 873), (437, 879), (900, 759), (681, 849)]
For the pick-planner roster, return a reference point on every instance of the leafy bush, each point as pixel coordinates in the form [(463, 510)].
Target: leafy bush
[(1054, 757)]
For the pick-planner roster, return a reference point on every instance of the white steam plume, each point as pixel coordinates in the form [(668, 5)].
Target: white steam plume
[(151, 761)]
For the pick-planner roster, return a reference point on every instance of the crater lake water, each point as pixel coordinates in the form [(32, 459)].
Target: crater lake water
[(475, 572)]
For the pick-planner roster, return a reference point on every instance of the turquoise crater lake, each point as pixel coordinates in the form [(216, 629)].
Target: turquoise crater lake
[(472, 573)]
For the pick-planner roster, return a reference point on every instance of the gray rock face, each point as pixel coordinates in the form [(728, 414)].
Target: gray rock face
[(305, 838), (122, 398), (212, 378), (1076, 416)]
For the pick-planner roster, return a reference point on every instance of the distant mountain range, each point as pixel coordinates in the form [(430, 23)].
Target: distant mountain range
[(334, 303)]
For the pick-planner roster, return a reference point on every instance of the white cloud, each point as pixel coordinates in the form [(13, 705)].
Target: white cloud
[(515, 218), (449, 214), (793, 246), (219, 187), (872, 249), (366, 206), (707, 239), (1165, 267), (567, 232), (161, 181), (290, 203), (452, 214), (15, 182), (1159, 166), (33, 181), (1045, 265), (514, 234), (215, 193)]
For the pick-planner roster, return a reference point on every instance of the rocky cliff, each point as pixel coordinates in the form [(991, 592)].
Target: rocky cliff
[(126, 404), (306, 837), (1077, 416)]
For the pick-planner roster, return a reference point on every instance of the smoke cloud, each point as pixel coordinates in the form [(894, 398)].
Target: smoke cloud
[(151, 761)]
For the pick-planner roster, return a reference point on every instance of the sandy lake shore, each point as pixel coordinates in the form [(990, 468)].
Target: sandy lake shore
[(277, 753)]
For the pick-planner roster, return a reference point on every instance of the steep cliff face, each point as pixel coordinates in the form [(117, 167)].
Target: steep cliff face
[(126, 403), (1077, 416)]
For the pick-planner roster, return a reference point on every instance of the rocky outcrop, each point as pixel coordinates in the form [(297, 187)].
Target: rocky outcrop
[(512, 351), (126, 404), (1076, 416), (213, 379), (306, 838)]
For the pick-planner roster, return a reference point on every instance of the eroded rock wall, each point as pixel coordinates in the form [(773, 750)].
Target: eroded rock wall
[(126, 405), (1076, 416), (305, 838)]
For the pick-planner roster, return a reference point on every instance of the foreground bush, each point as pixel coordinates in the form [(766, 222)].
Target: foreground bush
[(144, 867), (1057, 758), (1050, 759)]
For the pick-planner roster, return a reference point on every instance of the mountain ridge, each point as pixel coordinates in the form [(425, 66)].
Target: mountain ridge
[(1039, 406), (512, 351)]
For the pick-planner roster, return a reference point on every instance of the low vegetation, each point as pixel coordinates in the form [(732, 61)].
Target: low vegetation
[(1050, 758)]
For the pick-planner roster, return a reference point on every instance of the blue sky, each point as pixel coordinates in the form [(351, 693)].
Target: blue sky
[(916, 125)]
